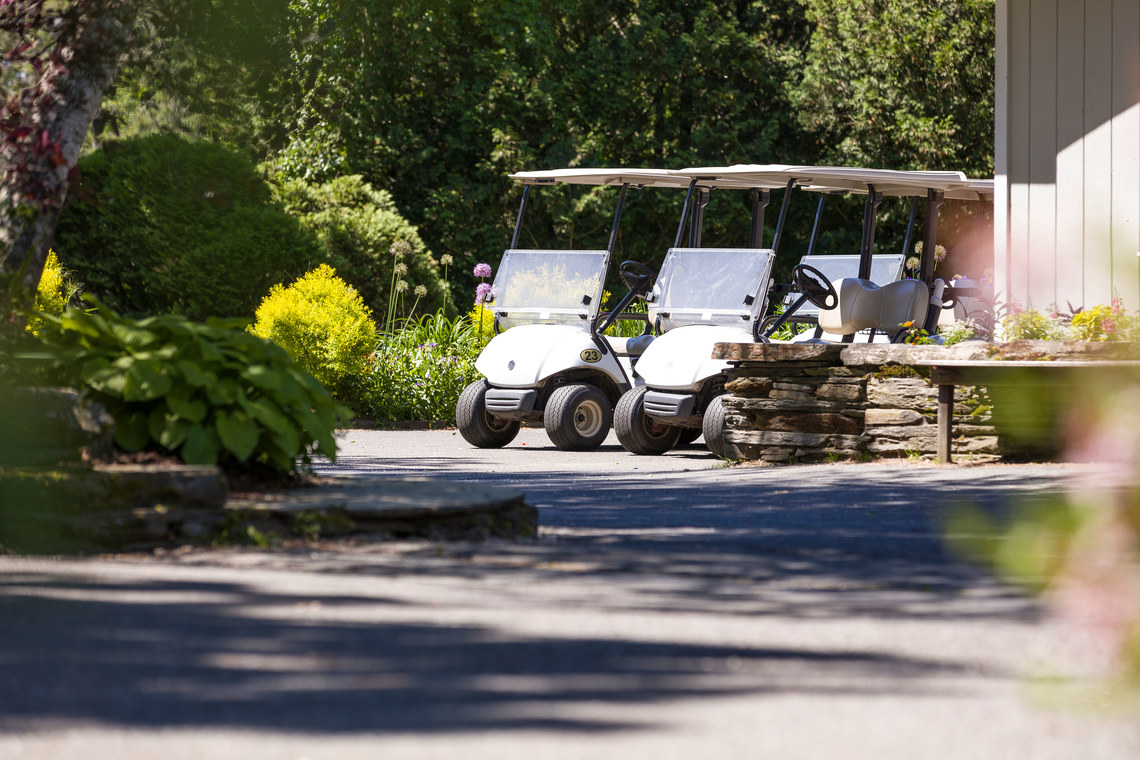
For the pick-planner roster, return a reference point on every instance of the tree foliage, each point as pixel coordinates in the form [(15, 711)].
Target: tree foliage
[(438, 100), (161, 224), (357, 226), (901, 84)]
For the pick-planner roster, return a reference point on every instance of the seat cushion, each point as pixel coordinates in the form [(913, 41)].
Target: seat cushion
[(864, 305), (634, 346)]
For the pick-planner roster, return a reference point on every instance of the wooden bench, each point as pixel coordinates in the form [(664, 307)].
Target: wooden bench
[(951, 373)]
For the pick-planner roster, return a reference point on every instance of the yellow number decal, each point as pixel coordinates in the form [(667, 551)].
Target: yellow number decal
[(591, 355)]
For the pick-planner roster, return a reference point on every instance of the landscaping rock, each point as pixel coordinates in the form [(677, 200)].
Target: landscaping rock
[(50, 426), (144, 506)]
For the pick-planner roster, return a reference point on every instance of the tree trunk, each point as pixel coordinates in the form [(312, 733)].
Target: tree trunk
[(56, 116)]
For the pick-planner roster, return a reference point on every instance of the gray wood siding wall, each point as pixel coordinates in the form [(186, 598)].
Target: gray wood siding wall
[(1067, 152)]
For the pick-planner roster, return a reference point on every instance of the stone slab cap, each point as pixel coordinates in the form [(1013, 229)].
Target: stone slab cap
[(388, 498), (778, 352), (876, 354)]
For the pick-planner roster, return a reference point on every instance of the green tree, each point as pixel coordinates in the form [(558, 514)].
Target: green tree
[(438, 100), (901, 84), (60, 57), (357, 226), (162, 224)]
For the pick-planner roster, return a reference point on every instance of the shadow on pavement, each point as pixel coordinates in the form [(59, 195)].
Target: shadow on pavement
[(212, 654)]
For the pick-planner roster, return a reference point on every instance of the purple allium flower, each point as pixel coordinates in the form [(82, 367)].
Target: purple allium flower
[(482, 270), (482, 291)]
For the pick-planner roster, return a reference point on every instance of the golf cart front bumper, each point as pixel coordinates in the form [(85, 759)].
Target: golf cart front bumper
[(511, 403), (670, 407)]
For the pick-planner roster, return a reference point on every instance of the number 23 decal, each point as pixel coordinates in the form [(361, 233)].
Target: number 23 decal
[(591, 355)]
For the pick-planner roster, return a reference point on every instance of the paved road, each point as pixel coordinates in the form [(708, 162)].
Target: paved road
[(672, 608)]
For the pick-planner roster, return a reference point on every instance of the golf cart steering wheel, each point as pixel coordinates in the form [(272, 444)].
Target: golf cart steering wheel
[(813, 284), (637, 277)]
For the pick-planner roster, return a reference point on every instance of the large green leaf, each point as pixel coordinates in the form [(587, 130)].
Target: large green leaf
[(145, 381), (84, 323), (319, 432), (195, 374), (133, 336), (263, 376), (103, 376), (168, 429), (238, 433), (224, 392), (131, 433), (183, 401), (202, 445), (268, 415), (288, 439)]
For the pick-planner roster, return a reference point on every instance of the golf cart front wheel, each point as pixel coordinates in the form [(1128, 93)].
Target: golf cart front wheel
[(638, 433), (577, 417), (477, 427), (713, 427)]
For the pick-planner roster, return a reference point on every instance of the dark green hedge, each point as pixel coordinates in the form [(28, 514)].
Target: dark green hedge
[(160, 224)]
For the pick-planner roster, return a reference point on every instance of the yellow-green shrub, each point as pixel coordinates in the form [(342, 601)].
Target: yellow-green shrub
[(1028, 324), (323, 324), (1102, 323), (484, 321), (51, 294)]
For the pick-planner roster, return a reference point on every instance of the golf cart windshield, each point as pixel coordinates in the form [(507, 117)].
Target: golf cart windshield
[(711, 286), (552, 287)]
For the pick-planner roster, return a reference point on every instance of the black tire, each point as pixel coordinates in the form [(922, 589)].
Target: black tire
[(577, 417), (478, 428), (637, 433), (688, 435), (713, 427)]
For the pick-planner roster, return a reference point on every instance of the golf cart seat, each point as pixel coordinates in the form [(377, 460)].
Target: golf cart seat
[(864, 305), (634, 346)]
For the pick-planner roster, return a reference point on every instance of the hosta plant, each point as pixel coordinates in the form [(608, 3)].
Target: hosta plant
[(211, 393)]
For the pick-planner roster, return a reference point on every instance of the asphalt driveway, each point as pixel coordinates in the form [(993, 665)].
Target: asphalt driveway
[(671, 608)]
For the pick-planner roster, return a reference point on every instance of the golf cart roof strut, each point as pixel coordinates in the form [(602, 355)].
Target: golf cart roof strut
[(685, 212), (910, 227), (617, 217), (697, 225), (929, 241), (867, 249), (519, 218), (783, 214), (815, 225), (760, 199)]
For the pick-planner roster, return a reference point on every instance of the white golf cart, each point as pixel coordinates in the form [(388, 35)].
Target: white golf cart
[(863, 293), (703, 296), (719, 296), (549, 361)]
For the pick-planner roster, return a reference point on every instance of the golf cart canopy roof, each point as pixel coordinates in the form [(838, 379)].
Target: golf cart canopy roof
[(976, 189), (768, 176), (846, 179), (620, 176), (885, 181)]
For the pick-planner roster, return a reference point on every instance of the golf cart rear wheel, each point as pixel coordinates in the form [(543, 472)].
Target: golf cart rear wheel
[(477, 427), (714, 427), (577, 417), (638, 433)]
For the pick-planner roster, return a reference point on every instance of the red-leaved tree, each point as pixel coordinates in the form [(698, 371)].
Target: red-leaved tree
[(60, 56)]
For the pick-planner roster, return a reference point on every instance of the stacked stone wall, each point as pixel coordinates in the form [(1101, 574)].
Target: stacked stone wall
[(828, 402), (820, 410)]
